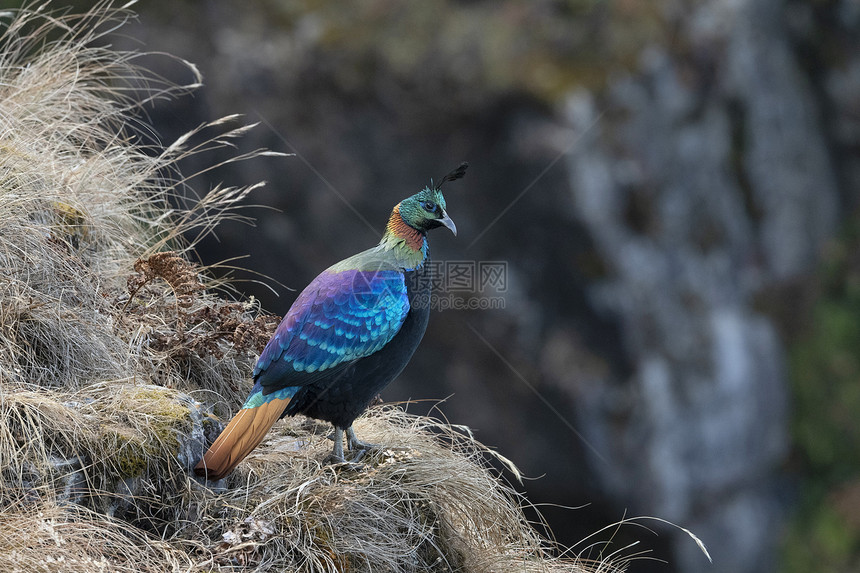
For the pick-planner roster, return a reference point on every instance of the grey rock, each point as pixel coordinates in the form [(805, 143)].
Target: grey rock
[(706, 194)]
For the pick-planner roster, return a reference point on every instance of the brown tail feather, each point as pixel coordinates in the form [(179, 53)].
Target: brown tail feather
[(242, 434)]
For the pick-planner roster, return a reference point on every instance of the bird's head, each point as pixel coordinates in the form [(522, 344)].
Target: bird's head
[(426, 209)]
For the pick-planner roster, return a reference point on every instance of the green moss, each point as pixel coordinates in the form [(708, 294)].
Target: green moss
[(125, 452), (149, 423), (159, 402)]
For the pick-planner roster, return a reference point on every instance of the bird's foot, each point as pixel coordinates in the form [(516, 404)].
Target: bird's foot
[(360, 448), (341, 463), (337, 458), (333, 458), (357, 446), (358, 454)]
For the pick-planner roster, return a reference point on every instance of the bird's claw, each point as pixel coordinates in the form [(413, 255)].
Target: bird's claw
[(362, 446), (334, 459), (356, 445), (358, 449)]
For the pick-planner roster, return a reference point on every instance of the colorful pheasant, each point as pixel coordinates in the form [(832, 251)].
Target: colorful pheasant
[(347, 335)]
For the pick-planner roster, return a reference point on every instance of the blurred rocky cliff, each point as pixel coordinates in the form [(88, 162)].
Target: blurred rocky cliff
[(658, 178)]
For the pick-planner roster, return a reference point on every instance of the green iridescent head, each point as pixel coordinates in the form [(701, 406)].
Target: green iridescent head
[(426, 209)]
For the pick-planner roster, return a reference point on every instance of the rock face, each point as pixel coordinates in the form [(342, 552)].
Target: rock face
[(706, 187)]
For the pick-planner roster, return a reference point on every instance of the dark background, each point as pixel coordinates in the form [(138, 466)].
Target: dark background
[(671, 186)]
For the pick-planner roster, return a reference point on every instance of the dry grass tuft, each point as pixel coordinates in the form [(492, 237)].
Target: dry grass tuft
[(428, 502), (87, 212), (115, 350), (71, 539)]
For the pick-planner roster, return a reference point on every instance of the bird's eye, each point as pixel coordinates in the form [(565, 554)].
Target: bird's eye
[(429, 206)]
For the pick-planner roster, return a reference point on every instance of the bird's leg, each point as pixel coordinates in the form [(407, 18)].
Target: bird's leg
[(355, 445), (336, 455)]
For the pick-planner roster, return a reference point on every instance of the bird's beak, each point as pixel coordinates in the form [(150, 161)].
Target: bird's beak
[(446, 221)]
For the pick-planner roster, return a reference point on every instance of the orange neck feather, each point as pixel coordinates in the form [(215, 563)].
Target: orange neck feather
[(397, 231)]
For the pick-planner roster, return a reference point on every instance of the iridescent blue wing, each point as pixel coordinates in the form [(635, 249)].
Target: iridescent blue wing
[(339, 318)]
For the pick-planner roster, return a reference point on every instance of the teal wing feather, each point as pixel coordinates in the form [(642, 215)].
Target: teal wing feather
[(342, 316)]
